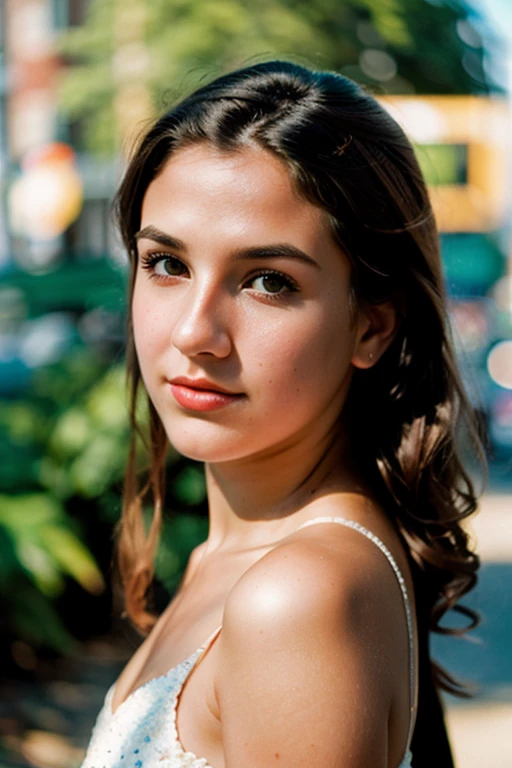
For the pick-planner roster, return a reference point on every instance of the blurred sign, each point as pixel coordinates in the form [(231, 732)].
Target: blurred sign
[(463, 146)]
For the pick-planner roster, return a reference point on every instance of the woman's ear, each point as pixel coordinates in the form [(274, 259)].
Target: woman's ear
[(377, 327)]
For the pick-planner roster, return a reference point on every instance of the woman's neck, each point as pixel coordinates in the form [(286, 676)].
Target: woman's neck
[(259, 500)]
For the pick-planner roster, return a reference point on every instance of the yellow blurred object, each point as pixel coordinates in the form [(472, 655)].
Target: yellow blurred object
[(47, 197), (479, 124), (49, 750)]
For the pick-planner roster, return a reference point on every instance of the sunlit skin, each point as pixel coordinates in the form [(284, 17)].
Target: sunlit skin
[(239, 283)]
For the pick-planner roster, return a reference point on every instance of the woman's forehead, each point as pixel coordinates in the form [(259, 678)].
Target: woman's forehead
[(250, 187)]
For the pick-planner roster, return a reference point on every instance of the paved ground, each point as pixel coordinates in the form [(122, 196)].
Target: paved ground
[(482, 735), (48, 726), (481, 730)]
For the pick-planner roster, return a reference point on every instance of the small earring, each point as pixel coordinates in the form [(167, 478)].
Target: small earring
[(370, 355)]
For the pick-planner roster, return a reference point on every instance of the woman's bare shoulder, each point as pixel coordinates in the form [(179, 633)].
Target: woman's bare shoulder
[(305, 632), (322, 570), (323, 566), (365, 511)]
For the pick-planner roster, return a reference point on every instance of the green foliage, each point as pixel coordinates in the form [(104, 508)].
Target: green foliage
[(61, 439), (169, 46), (179, 536), (31, 616), (45, 544), (189, 486), (64, 440), (85, 452), (40, 547)]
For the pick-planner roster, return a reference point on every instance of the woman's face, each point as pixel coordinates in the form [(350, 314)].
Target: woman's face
[(241, 311)]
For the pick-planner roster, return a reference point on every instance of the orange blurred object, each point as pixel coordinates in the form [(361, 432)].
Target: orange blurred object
[(56, 152)]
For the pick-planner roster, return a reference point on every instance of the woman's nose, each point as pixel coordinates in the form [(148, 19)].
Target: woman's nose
[(201, 327)]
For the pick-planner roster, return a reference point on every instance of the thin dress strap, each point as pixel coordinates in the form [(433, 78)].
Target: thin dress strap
[(210, 640), (401, 582), (201, 652)]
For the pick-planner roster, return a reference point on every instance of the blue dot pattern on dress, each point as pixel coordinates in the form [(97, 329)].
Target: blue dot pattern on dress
[(144, 726)]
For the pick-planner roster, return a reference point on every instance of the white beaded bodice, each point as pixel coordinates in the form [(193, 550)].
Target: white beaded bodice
[(142, 732)]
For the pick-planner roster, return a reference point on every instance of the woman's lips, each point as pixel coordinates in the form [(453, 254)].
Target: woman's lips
[(199, 398)]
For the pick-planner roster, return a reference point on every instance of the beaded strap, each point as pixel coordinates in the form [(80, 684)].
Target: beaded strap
[(401, 582)]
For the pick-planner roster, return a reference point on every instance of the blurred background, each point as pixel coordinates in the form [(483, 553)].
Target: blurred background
[(78, 81)]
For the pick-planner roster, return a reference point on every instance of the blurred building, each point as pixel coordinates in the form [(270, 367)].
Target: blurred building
[(464, 146), (60, 282), (31, 69)]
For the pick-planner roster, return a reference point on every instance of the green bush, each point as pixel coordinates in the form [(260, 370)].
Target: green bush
[(64, 444)]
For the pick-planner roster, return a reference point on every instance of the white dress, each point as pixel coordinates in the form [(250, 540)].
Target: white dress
[(142, 732)]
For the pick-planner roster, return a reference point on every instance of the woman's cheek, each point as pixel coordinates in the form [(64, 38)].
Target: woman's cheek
[(306, 359), (321, 347), (151, 328)]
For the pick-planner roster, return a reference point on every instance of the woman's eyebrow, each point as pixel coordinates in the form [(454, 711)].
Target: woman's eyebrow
[(274, 251), (279, 251), (153, 233)]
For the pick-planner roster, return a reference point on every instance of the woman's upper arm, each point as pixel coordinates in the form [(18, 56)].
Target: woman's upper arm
[(306, 665)]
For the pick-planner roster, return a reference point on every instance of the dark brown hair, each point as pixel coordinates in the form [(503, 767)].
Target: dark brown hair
[(347, 155)]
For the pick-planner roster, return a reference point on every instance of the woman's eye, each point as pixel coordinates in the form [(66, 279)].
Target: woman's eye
[(170, 266), (271, 283), (160, 265)]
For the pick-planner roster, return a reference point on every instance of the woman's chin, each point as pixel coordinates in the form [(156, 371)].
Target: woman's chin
[(206, 450)]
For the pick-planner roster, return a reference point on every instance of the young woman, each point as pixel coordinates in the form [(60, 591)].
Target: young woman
[(288, 325)]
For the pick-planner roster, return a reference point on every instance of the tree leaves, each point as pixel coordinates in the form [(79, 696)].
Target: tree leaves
[(179, 42), (45, 544)]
